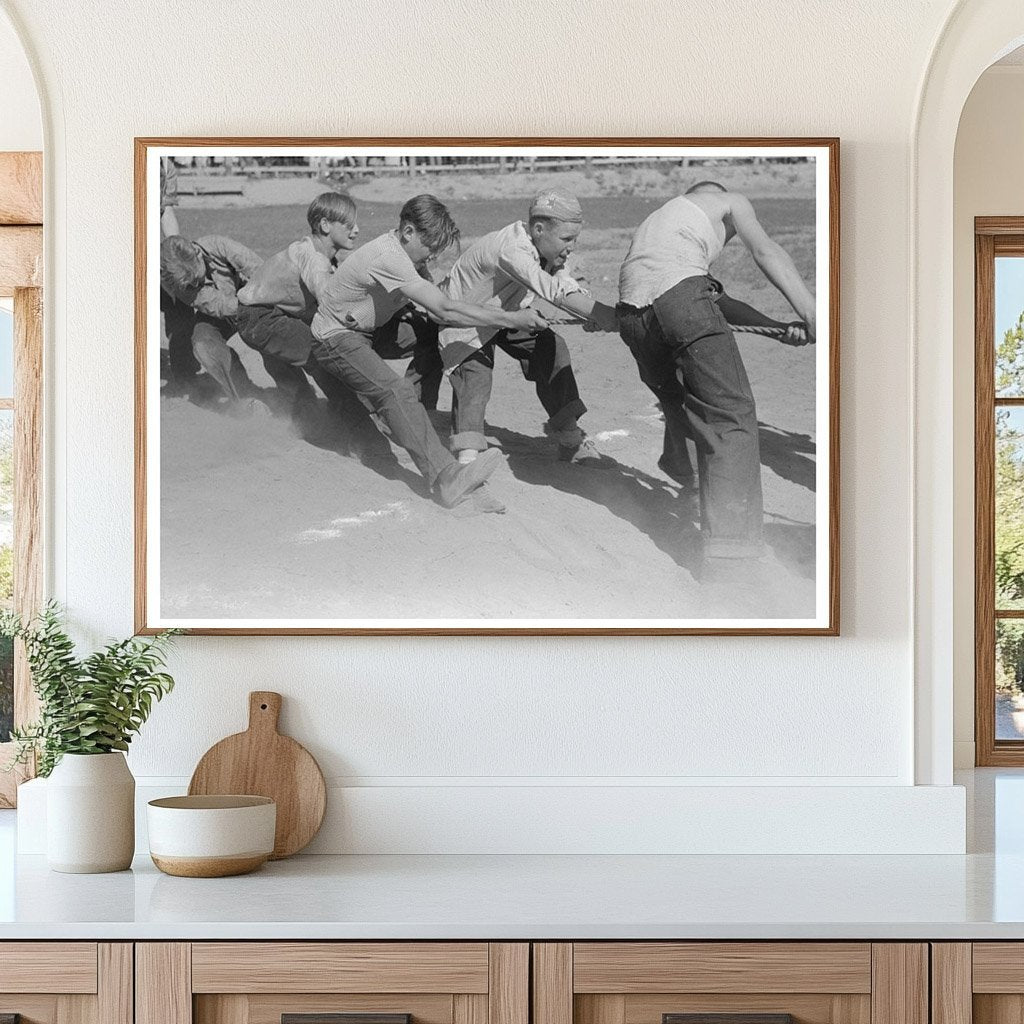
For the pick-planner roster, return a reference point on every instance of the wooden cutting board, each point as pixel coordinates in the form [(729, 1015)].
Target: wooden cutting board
[(262, 762)]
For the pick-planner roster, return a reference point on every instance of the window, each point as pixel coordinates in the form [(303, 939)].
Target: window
[(6, 511), (21, 319), (999, 490)]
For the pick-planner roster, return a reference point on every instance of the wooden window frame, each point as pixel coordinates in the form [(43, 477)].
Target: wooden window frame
[(993, 237), (21, 278)]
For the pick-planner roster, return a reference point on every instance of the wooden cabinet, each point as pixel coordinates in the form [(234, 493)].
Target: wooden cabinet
[(656, 982), (512, 983), (66, 982), (978, 983), (265, 982)]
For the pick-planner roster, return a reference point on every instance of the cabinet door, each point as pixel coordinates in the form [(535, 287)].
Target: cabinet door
[(730, 983), (66, 982), (332, 983), (981, 982)]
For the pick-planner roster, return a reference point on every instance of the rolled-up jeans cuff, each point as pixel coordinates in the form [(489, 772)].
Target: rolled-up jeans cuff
[(567, 416), (468, 439)]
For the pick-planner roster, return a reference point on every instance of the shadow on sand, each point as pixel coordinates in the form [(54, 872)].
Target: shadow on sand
[(785, 453), (652, 505), (655, 506)]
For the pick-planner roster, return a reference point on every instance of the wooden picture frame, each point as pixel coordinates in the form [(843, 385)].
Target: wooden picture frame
[(815, 170)]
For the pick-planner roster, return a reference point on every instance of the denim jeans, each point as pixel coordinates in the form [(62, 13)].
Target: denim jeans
[(349, 357), (688, 357), (413, 333), (275, 333), (544, 359)]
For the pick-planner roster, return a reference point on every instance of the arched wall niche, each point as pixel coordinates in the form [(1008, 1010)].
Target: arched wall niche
[(976, 34)]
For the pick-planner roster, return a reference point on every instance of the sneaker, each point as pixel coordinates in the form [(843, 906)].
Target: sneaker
[(455, 482), (585, 454), (570, 436), (484, 501)]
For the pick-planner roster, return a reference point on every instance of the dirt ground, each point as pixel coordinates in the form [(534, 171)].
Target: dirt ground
[(258, 522)]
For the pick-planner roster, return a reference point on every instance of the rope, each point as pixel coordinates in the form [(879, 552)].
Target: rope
[(765, 332)]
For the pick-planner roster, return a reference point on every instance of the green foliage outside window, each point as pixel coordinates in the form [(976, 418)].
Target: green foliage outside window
[(1009, 511)]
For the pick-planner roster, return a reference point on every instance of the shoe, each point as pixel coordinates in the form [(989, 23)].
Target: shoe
[(485, 501), (585, 454), (454, 482), (681, 475), (570, 436)]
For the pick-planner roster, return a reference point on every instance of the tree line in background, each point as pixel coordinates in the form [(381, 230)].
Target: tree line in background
[(1009, 511)]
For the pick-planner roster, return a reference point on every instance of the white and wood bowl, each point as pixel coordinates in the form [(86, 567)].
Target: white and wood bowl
[(211, 836)]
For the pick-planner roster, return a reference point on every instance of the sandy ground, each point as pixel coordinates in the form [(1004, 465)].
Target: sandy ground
[(259, 522)]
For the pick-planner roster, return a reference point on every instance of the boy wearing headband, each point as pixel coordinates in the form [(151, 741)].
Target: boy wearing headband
[(508, 269)]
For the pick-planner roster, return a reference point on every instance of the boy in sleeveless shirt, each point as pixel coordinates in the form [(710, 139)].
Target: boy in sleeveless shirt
[(687, 355)]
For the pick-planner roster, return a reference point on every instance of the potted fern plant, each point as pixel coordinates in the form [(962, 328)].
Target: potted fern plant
[(89, 710)]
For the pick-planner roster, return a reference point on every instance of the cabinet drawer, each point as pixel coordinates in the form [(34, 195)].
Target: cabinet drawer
[(66, 982), (332, 983), (340, 967), (730, 983), (58, 967), (981, 982), (635, 967)]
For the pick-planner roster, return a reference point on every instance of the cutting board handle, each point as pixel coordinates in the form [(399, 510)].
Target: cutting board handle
[(264, 710)]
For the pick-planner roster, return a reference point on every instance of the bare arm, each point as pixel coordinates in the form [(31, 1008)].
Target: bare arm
[(215, 303), (773, 260), (169, 222), (589, 308), (466, 314), (558, 289)]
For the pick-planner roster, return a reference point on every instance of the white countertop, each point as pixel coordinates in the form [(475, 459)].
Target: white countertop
[(516, 897), (976, 896)]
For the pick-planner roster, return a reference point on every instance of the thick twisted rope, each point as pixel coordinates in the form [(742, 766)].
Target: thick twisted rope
[(763, 331)]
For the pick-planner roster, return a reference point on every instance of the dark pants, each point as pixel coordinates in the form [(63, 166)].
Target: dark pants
[(688, 357), (284, 342), (544, 359), (197, 341), (179, 323), (412, 333), (349, 357)]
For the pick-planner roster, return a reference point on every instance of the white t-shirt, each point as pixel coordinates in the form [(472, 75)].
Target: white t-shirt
[(675, 242), (364, 292)]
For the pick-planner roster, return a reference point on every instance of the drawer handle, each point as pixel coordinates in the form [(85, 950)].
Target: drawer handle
[(339, 1018), (727, 1018)]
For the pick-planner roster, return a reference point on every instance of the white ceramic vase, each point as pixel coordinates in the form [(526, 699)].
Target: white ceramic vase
[(90, 814)]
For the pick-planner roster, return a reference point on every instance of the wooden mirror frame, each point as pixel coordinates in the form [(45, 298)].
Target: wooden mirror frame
[(21, 278)]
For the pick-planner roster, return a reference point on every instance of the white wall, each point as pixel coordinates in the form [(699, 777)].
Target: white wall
[(21, 127), (454, 712), (988, 182)]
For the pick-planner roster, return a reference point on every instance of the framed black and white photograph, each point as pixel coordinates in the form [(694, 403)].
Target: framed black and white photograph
[(454, 386)]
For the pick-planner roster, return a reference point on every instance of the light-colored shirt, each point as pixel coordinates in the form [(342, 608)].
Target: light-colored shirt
[(675, 242), (290, 280), (365, 291), (502, 269), (229, 264), (168, 183)]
